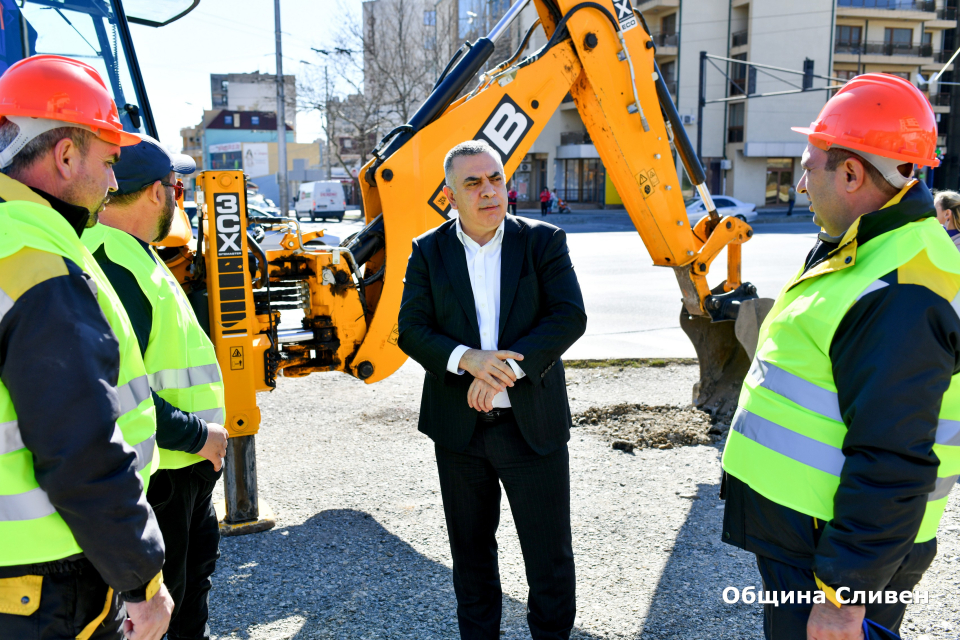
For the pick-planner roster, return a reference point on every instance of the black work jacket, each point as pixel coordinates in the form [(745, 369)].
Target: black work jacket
[(893, 357)]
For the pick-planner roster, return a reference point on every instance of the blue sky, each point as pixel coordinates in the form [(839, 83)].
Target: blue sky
[(230, 36)]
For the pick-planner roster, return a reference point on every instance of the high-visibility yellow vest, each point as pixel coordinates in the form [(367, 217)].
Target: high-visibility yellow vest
[(786, 437), (31, 234), (181, 361)]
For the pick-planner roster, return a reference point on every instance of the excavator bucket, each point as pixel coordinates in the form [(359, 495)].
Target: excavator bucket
[(724, 351)]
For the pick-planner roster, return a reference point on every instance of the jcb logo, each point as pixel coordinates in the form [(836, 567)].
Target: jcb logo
[(227, 212), (505, 129)]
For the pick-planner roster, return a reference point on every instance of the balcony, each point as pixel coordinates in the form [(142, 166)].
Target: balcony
[(940, 100), (879, 52), (739, 39), (666, 39), (667, 43), (948, 14), (893, 5), (656, 7)]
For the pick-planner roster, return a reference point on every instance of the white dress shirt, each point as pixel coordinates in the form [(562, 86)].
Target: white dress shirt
[(483, 266)]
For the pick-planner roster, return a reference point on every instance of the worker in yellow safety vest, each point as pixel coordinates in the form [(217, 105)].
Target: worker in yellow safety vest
[(181, 365), (846, 440), (80, 550)]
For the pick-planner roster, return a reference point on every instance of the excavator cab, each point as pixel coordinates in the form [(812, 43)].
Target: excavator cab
[(96, 32)]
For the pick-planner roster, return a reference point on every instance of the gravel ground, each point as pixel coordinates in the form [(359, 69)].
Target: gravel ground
[(360, 549)]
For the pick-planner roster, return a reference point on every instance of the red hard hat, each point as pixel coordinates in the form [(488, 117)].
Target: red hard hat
[(878, 113), (63, 89)]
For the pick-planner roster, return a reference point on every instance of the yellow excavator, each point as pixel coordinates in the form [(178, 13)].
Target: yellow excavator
[(600, 53), (348, 296)]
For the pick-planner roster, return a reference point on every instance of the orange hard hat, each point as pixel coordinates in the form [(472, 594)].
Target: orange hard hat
[(881, 114), (65, 90)]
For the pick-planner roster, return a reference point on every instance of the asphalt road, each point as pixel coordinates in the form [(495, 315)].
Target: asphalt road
[(633, 307)]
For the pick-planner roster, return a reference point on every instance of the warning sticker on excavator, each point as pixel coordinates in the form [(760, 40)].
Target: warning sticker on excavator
[(236, 358), (440, 200), (654, 180), (394, 335), (645, 187)]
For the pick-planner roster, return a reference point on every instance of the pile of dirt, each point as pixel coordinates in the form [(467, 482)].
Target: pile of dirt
[(640, 426)]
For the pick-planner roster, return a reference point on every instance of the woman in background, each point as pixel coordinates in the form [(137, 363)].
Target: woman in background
[(947, 204)]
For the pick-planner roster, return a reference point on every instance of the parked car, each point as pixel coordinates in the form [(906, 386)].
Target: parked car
[(726, 206), (264, 204), (322, 200)]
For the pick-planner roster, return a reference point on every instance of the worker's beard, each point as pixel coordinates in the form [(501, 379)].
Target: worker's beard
[(166, 217)]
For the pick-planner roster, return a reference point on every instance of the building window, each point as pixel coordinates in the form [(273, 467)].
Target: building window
[(429, 41), (255, 120), (429, 18), (223, 85), (582, 180), (779, 180), (903, 74), (735, 122), (848, 36), (223, 100), (228, 119), (738, 76), (926, 44), (668, 24), (897, 40)]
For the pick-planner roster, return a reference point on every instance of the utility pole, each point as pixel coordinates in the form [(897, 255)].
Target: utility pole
[(281, 118), (326, 115)]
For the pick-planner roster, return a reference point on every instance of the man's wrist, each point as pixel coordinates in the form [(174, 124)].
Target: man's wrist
[(145, 591), (453, 362)]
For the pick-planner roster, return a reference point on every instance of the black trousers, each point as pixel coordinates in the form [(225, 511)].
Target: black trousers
[(512, 208), (538, 488), (182, 500), (70, 599), (544, 208), (789, 622)]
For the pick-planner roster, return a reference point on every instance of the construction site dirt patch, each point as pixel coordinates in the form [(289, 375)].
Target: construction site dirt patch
[(640, 426)]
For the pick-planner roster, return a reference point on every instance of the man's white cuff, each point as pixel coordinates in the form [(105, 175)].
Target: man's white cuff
[(516, 368), (453, 363)]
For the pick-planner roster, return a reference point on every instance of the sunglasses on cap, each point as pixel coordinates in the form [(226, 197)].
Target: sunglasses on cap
[(177, 188)]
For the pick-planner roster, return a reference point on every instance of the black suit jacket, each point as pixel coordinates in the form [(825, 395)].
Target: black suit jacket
[(541, 315)]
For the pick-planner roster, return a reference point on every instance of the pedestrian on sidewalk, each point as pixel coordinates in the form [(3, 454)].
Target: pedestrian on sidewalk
[(544, 201), (512, 201), (846, 440), (791, 200), (497, 416), (554, 201), (948, 213)]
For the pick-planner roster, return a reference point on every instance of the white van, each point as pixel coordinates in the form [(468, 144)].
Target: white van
[(322, 200)]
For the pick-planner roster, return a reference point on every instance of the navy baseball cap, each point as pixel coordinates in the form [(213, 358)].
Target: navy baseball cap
[(147, 162)]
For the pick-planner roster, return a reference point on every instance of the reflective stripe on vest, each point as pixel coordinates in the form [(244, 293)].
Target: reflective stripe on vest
[(180, 360), (787, 435), (30, 528)]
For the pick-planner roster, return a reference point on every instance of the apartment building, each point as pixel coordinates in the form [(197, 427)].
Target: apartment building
[(747, 145), (253, 92)]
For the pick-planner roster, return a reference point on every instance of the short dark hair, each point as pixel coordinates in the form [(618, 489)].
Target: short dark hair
[(126, 199), (836, 156), (39, 146), (468, 148)]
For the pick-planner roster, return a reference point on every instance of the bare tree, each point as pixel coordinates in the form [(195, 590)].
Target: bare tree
[(378, 70)]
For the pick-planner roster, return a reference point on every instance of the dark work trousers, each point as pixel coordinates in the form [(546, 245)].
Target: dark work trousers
[(544, 207), (789, 622), (70, 599), (181, 498), (538, 488), (790, 208), (512, 208)]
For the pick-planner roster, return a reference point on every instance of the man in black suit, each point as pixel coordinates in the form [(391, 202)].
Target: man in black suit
[(475, 285)]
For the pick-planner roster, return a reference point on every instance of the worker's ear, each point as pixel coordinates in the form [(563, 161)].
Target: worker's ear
[(155, 192), (67, 158), (447, 191), (854, 174)]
